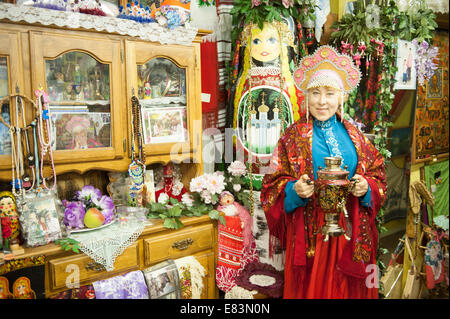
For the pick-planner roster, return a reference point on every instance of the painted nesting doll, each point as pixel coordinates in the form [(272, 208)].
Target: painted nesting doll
[(9, 219), (264, 100)]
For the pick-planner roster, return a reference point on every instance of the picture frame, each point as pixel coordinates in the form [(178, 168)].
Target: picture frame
[(406, 70), (40, 221), (163, 281), (430, 139), (79, 129), (164, 125)]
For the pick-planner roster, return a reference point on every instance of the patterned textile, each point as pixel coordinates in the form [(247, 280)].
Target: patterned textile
[(83, 292), (298, 231), (129, 286), (232, 255), (191, 274), (23, 278), (106, 244), (230, 243)]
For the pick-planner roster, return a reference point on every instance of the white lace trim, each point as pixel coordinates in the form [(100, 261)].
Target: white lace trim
[(262, 280), (240, 293), (264, 71), (197, 273), (105, 249), (72, 20)]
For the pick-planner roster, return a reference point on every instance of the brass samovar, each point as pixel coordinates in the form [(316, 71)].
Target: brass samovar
[(332, 188)]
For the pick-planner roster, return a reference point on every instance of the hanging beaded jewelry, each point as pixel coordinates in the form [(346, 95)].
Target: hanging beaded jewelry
[(44, 132), (136, 169)]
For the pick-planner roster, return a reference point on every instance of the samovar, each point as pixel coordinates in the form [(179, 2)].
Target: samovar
[(332, 188)]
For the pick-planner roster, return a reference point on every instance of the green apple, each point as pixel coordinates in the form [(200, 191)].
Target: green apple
[(93, 218)]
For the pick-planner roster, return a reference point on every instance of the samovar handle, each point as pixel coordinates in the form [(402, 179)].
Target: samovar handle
[(354, 182)]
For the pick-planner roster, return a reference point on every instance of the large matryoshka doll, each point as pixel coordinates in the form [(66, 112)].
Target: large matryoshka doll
[(264, 99)]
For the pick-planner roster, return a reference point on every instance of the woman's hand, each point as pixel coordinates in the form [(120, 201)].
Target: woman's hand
[(361, 186), (302, 188)]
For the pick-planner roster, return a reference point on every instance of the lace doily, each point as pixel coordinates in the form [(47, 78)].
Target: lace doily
[(72, 20), (262, 280), (240, 293), (105, 245)]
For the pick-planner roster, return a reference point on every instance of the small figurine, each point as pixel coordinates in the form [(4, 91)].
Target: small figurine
[(147, 91), (4, 288), (10, 225)]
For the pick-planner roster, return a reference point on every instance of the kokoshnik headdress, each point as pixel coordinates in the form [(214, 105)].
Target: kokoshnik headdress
[(327, 67)]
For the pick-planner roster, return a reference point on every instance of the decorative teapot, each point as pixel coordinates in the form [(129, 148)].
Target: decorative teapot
[(332, 188)]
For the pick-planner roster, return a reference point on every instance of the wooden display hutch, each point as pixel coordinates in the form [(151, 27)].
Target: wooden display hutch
[(33, 54)]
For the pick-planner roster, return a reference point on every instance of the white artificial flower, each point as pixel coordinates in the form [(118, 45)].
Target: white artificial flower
[(206, 196), (187, 200), (237, 168), (197, 184), (163, 198), (237, 187), (177, 188), (215, 183)]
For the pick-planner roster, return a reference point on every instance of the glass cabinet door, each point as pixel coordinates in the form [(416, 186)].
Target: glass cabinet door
[(82, 78), (162, 95), (79, 92), (165, 78), (11, 75)]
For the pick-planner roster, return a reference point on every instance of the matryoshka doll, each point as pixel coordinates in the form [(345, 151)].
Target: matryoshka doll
[(266, 65), (10, 223), (22, 289), (4, 288)]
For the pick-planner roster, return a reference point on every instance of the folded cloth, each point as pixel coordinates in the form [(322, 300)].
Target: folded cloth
[(129, 286), (191, 274)]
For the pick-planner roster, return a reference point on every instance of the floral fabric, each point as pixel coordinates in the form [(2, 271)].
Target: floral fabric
[(129, 286)]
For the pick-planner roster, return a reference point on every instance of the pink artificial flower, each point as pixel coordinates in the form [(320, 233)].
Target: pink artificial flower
[(256, 3), (287, 3), (357, 59)]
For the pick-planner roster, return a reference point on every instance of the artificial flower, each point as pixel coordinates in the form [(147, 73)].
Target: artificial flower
[(237, 187), (187, 200), (215, 183), (425, 66), (74, 214), (256, 3), (106, 205), (287, 3), (88, 193), (206, 196), (163, 198), (197, 184), (237, 168)]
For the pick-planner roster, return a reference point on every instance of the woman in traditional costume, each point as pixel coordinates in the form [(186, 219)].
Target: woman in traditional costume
[(314, 266)]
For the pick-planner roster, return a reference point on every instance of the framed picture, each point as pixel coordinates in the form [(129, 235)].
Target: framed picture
[(431, 116), (406, 69), (40, 221), (400, 141), (80, 130), (163, 281), (164, 125)]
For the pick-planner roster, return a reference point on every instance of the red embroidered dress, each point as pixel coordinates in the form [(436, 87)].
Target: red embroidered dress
[(314, 268)]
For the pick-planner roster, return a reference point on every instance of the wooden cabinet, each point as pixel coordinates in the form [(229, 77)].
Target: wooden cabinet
[(11, 75), (156, 244), (90, 77)]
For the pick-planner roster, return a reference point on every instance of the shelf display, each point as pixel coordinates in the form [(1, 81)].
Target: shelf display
[(79, 92), (162, 93)]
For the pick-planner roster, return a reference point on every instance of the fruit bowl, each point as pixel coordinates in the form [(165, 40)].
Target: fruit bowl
[(86, 229)]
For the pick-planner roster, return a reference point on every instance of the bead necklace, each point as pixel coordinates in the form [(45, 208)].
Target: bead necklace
[(44, 131), (136, 169)]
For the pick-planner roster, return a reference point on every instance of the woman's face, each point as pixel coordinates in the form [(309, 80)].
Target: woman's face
[(323, 102), (266, 44)]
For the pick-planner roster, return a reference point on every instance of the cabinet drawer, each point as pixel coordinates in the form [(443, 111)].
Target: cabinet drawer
[(175, 245), (66, 271)]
